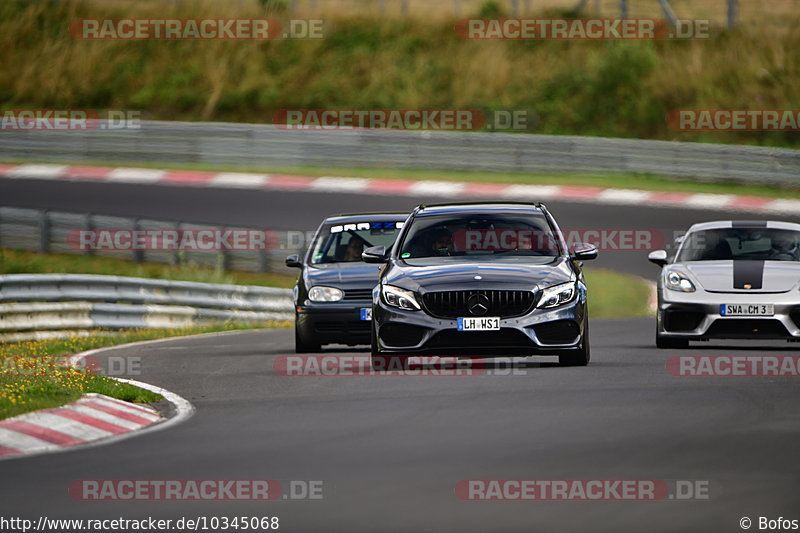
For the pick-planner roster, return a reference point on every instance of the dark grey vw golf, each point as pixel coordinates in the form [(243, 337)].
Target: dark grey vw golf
[(333, 294)]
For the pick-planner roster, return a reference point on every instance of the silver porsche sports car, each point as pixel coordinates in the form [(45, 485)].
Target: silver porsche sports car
[(730, 280)]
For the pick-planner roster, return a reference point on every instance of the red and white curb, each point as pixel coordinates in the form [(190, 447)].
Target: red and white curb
[(92, 417), (425, 188), (93, 420)]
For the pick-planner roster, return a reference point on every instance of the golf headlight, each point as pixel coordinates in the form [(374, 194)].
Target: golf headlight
[(677, 281), (325, 294), (401, 298), (558, 295)]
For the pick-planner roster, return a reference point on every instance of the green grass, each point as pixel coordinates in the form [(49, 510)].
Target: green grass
[(31, 378), (615, 295), (611, 180), (26, 262)]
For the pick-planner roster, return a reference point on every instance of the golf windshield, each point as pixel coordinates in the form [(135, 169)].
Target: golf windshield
[(344, 243)]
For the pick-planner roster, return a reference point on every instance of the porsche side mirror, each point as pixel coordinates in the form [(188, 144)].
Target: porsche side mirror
[(658, 257), (374, 254)]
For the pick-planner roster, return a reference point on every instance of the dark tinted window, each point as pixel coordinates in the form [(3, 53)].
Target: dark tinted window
[(740, 243), (482, 234), (343, 243)]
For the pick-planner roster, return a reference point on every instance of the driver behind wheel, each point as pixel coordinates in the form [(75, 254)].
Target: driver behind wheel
[(784, 248), (442, 244)]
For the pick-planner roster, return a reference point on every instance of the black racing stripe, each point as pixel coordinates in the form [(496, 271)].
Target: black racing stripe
[(749, 224), (747, 272)]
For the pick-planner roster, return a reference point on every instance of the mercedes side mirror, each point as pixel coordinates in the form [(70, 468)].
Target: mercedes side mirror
[(293, 261), (584, 252), (374, 254)]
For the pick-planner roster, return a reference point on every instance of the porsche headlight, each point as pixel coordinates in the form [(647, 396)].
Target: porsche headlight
[(558, 295), (678, 281), (400, 298), (325, 294)]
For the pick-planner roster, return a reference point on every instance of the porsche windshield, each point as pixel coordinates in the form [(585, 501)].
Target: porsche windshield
[(721, 244), (479, 235), (343, 243)]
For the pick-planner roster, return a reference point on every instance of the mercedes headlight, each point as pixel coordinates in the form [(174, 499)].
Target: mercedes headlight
[(400, 298), (325, 294), (678, 281), (558, 295)]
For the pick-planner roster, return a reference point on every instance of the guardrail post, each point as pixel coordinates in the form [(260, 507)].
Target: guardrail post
[(263, 261), (623, 9), (44, 232), (176, 254), (89, 225), (224, 258), (514, 8), (137, 255), (732, 9)]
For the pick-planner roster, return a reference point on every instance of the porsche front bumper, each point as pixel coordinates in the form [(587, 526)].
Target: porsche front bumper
[(697, 315)]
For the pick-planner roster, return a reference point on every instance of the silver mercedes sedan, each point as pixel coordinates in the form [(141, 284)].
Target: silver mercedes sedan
[(730, 280)]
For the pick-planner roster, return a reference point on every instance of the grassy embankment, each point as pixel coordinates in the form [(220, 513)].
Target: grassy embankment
[(608, 88)]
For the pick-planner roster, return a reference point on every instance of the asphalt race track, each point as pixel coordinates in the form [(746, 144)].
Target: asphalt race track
[(389, 449), (285, 210)]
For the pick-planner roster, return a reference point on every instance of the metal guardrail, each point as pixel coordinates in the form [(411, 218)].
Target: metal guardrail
[(47, 231), (36, 306), (265, 145)]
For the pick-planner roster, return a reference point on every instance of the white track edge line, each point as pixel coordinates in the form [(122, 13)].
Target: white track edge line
[(184, 408)]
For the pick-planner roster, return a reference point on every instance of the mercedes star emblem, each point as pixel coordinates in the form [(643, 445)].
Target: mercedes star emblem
[(478, 304)]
